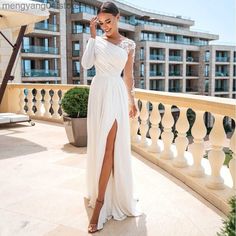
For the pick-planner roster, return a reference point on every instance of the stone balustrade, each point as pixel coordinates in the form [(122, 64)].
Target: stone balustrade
[(170, 130)]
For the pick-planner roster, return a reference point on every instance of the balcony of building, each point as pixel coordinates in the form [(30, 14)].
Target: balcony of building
[(222, 56), (222, 71), (192, 71), (175, 55), (192, 57), (192, 86), (157, 54), (43, 183), (221, 85), (156, 70)]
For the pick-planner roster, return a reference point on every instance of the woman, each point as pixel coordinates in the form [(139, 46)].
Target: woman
[(109, 174)]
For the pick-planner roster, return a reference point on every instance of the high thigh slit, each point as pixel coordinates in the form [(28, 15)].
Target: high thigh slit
[(108, 102)]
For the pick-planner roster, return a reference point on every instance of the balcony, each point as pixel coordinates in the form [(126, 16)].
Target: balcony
[(91, 72), (156, 73), (175, 58), (221, 74), (43, 177), (222, 59), (48, 27), (76, 73), (221, 89), (192, 59), (193, 74), (40, 50), (157, 57), (40, 73), (174, 73), (75, 53)]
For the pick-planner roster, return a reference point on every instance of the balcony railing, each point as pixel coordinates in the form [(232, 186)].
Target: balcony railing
[(222, 74), (175, 58), (221, 89), (165, 141), (48, 27), (192, 89), (76, 73), (75, 53), (91, 72), (157, 57), (156, 73), (191, 74), (174, 73), (40, 50), (176, 89), (163, 40), (192, 59), (222, 59), (40, 73)]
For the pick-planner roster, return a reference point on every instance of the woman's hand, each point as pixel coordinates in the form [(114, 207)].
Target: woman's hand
[(93, 26), (133, 111)]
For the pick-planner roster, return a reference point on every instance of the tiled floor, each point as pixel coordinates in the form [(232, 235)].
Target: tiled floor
[(42, 191)]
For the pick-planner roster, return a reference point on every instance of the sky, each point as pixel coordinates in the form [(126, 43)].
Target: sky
[(211, 16)]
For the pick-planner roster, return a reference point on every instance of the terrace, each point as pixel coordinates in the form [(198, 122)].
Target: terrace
[(43, 188)]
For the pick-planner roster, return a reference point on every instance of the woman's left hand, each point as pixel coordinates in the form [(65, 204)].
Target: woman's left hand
[(132, 111)]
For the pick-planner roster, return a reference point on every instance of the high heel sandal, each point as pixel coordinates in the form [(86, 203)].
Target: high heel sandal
[(92, 228)]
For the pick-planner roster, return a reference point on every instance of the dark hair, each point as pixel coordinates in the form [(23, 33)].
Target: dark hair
[(108, 7)]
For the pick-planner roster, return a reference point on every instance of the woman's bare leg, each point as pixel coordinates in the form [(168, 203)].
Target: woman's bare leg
[(107, 167)]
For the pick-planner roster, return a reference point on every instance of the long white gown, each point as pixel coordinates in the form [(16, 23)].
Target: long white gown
[(108, 101)]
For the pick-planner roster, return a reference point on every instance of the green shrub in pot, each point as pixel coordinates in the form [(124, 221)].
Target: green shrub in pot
[(75, 105), (75, 102)]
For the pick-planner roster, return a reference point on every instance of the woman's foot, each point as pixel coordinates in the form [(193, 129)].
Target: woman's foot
[(92, 228)]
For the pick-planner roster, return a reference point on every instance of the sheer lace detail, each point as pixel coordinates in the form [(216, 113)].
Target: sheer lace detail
[(128, 45)]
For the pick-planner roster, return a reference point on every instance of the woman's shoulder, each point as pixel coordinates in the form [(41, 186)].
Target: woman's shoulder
[(129, 43)]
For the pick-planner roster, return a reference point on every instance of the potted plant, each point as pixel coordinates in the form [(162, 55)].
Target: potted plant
[(74, 105)]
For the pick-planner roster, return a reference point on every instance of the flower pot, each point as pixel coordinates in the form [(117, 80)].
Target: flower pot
[(76, 130)]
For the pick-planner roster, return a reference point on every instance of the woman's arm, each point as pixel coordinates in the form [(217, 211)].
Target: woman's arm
[(88, 57), (128, 74)]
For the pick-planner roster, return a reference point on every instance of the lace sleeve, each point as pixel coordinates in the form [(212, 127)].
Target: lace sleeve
[(128, 71), (88, 57)]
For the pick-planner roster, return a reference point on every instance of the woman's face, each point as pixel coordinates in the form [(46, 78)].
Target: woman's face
[(108, 23)]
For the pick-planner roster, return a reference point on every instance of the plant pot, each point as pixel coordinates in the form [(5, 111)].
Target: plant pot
[(76, 130)]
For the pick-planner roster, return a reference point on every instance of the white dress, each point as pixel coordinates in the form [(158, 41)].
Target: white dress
[(108, 101)]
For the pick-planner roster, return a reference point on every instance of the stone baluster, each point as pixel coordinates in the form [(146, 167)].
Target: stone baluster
[(38, 103), (47, 104), (155, 131), (181, 141), (30, 102), (167, 135), (134, 124), (21, 101), (216, 156), (55, 105), (59, 103), (232, 163), (197, 148), (144, 124)]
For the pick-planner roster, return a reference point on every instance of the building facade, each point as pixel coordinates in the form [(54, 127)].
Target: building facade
[(169, 55)]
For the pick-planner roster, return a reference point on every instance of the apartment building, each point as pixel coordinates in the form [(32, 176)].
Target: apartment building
[(43, 53), (169, 55)]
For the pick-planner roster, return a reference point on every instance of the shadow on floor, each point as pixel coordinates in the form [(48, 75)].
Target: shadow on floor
[(12, 147), (69, 148), (179, 183)]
